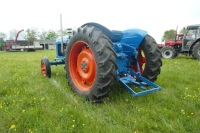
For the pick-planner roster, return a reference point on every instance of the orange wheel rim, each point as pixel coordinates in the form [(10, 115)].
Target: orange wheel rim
[(43, 68), (82, 66)]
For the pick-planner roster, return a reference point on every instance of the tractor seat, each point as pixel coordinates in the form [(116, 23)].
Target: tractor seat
[(117, 35)]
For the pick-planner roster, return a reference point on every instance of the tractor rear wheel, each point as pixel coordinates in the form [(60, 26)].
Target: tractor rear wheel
[(168, 52), (45, 67), (196, 51), (152, 58), (90, 63)]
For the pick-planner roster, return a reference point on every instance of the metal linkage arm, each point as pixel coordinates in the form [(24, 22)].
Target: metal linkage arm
[(145, 85)]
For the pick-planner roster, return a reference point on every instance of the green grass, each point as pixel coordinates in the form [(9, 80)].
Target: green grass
[(32, 103)]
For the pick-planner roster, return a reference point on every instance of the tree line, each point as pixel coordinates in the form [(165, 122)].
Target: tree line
[(32, 34)]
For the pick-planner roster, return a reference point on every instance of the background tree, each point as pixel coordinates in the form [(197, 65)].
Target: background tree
[(169, 34), (2, 40), (42, 35), (51, 35), (66, 31), (12, 34), (182, 30), (31, 35), (48, 35)]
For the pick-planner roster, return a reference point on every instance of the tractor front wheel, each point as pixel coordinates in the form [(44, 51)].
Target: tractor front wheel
[(168, 52), (90, 63), (45, 67), (196, 51)]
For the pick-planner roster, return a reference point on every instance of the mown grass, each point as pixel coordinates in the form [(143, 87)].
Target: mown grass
[(32, 103)]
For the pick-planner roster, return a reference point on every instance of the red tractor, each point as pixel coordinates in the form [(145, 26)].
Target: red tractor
[(188, 44)]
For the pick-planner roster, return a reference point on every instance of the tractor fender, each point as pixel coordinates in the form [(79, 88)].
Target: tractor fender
[(105, 30), (194, 43), (133, 37)]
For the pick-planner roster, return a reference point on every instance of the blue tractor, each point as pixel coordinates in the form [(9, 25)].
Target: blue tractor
[(95, 57)]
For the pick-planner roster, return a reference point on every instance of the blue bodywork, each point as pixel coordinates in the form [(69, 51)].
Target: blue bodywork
[(125, 44), (60, 56)]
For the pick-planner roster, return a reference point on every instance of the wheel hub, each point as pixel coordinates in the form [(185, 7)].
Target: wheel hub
[(84, 66), (167, 53)]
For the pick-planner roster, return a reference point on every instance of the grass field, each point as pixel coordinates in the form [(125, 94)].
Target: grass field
[(30, 103)]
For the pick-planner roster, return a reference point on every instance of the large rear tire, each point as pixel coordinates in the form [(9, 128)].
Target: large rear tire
[(196, 51), (168, 52), (151, 60), (90, 63)]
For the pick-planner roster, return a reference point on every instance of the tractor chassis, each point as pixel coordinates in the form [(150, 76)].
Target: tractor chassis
[(58, 61)]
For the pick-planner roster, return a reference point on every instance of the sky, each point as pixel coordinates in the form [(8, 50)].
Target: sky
[(153, 16)]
